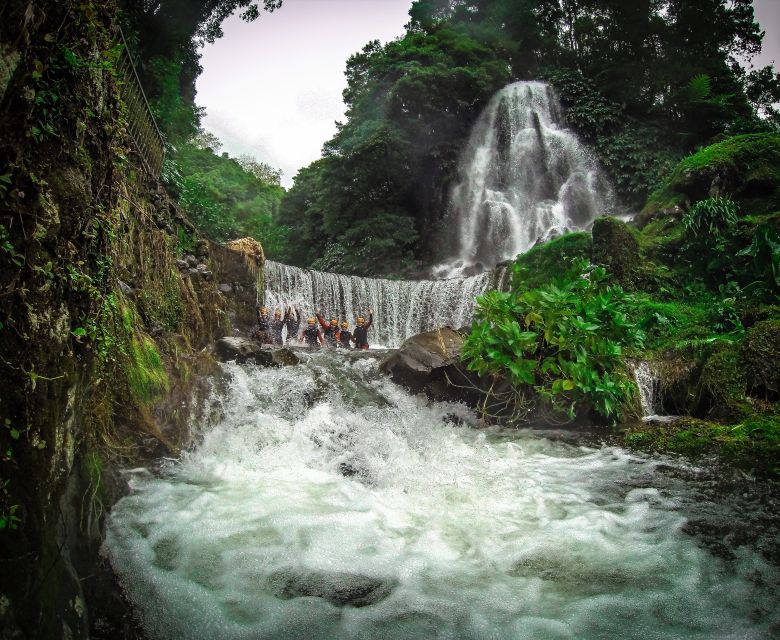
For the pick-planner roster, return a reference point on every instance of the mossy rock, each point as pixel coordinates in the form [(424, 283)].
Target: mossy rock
[(761, 355), (754, 442), (545, 262), (615, 247), (723, 385), (746, 168)]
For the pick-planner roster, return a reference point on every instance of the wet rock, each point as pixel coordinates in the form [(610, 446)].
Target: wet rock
[(202, 249), (126, 289), (182, 264), (423, 358), (191, 260), (340, 589), (430, 363), (225, 288), (284, 357), (244, 350)]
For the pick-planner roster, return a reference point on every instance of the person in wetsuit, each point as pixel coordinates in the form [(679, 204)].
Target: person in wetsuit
[(311, 334), (262, 332), (292, 319), (360, 335), (344, 336), (329, 330), (277, 324)]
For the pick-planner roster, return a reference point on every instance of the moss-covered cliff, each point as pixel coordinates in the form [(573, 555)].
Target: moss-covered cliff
[(102, 323)]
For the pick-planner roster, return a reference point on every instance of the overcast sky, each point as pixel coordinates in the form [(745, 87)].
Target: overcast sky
[(272, 88)]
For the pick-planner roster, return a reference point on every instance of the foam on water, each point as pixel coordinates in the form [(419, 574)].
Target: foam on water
[(327, 469)]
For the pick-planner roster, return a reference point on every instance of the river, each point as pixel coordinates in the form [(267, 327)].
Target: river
[(322, 501)]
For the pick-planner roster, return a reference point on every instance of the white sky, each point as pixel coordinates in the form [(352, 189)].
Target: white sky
[(272, 88)]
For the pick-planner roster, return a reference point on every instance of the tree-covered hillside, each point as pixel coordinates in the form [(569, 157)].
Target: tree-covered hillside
[(644, 83), (225, 197), (228, 198)]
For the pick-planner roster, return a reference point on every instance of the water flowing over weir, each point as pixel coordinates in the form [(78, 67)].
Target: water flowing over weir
[(370, 514), (402, 308), (523, 177)]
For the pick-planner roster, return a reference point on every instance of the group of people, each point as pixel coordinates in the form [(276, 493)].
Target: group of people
[(317, 333)]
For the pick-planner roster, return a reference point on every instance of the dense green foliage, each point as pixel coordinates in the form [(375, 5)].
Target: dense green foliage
[(410, 105), (565, 339), (745, 166), (228, 198), (643, 83), (704, 294)]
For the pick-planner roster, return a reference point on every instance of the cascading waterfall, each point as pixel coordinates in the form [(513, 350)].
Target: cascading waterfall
[(402, 308), (523, 178), (356, 511), (648, 383)]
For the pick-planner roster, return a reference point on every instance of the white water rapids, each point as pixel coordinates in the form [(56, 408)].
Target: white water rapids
[(324, 502)]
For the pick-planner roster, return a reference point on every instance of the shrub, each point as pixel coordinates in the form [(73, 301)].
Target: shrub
[(565, 340), (708, 219)]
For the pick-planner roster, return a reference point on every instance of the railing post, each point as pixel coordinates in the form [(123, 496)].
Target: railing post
[(142, 128)]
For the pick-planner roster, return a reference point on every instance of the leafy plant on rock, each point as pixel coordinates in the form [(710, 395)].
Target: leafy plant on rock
[(565, 340)]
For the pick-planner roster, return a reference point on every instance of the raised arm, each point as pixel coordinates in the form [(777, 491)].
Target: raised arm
[(321, 319)]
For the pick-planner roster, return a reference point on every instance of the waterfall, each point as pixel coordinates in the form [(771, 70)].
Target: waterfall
[(648, 384), (523, 178), (402, 308)]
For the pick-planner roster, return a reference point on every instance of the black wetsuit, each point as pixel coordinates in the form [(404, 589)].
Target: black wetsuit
[(293, 323), (329, 331), (262, 333), (311, 336), (276, 331), (344, 339), (331, 334), (361, 334)]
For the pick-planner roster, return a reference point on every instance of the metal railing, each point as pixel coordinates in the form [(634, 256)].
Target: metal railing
[(142, 128)]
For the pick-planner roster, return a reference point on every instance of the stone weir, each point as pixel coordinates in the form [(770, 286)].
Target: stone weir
[(402, 308)]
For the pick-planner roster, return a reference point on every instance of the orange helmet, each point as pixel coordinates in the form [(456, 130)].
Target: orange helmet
[(334, 322), (360, 320), (345, 325), (311, 321), (277, 314), (264, 310)]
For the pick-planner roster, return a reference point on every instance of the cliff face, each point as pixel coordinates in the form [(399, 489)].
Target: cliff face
[(102, 323)]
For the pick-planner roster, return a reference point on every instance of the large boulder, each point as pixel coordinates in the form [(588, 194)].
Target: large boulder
[(244, 350), (430, 363)]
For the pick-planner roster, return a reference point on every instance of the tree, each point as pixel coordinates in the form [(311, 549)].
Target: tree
[(260, 170)]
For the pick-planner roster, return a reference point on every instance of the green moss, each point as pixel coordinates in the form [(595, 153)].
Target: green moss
[(162, 303), (547, 261), (753, 442), (761, 355), (146, 375), (673, 325), (746, 166), (616, 248), (722, 384)]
